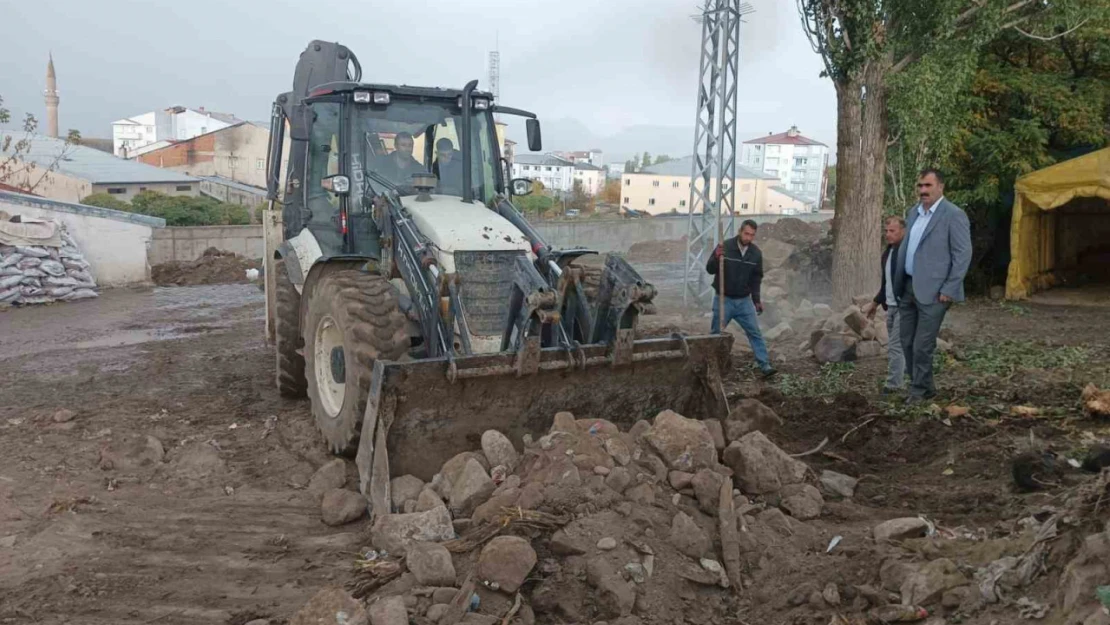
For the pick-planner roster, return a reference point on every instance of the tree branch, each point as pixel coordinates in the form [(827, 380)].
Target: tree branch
[(1057, 35)]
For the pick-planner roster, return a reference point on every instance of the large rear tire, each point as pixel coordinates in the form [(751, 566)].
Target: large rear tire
[(287, 336), (352, 320)]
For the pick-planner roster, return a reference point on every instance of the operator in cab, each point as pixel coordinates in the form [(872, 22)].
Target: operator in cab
[(399, 165), (448, 168)]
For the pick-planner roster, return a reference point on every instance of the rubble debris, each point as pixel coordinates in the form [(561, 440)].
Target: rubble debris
[(838, 484), (685, 444), (498, 449), (619, 479), (750, 415), (802, 501), (760, 467), (506, 560), (131, 453), (707, 490), (332, 606), (431, 564), (617, 595), (394, 533), (331, 476), (835, 348), (926, 584), (388, 611), (901, 529), (687, 537), (403, 489), (64, 416), (340, 506), (471, 487)]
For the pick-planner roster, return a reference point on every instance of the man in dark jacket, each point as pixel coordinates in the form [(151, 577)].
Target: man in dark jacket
[(894, 231), (743, 275)]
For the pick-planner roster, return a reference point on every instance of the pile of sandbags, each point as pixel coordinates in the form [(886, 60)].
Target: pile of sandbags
[(41, 274)]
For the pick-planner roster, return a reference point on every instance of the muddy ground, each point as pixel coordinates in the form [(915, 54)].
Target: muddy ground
[(217, 528)]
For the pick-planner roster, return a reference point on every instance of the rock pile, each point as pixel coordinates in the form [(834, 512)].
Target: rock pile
[(591, 523), (41, 274)]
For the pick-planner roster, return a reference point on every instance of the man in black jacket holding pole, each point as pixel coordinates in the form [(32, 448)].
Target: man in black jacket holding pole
[(743, 273)]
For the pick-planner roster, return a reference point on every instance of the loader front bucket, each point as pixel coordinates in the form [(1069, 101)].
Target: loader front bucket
[(421, 413)]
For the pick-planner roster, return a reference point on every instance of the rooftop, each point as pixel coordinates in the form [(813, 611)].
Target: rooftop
[(586, 166), (93, 165), (790, 137), (548, 160), (684, 166), (805, 199)]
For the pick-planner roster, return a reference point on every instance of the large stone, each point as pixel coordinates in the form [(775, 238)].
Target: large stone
[(856, 320), (436, 612), (394, 533), (641, 493), (618, 450), (688, 538), (707, 489), (132, 453), (491, 509), (750, 415), (928, 583), (618, 596), (563, 544), (389, 611), (428, 499), (506, 560), (404, 488), (332, 606), (717, 431), (680, 479), (868, 349), (835, 348), (431, 564), (893, 573), (900, 529), (760, 467), (802, 501), (470, 488), (453, 468), (341, 506), (564, 422), (822, 310), (331, 476), (499, 449), (685, 444), (780, 331), (619, 479), (838, 484), (1089, 569)]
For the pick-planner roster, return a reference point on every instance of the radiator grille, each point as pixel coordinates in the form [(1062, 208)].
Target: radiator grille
[(486, 282)]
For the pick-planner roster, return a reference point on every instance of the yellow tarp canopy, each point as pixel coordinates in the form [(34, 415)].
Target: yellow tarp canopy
[(1033, 232)]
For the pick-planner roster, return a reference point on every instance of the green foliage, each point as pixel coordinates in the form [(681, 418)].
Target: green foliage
[(535, 204), (104, 200), (1007, 357), (645, 161), (177, 210), (631, 165), (832, 380), (662, 158)]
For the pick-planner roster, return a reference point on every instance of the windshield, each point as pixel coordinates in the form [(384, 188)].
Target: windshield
[(409, 137)]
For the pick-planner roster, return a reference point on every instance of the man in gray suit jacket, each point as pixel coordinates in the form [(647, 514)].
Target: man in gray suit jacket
[(932, 262)]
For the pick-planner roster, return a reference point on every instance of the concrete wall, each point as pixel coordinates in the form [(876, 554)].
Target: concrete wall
[(189, 243), (129, 191), (602, 235), (115, 244), (661, 194)]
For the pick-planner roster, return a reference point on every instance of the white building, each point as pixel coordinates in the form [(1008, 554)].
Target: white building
[(130, 135), (594, 157), (559, 174), (797, 161)]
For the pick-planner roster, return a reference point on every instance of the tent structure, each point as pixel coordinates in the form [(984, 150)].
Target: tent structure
[(1061, 223)]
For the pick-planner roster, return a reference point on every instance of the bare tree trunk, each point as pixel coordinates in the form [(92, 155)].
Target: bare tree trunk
[(848, 128), (857, 246)]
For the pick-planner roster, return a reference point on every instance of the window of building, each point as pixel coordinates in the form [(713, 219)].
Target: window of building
[(117, 190), (233, 161), (141, 189), (674, 185), (655, 183), (627, 182), (184, 187), (758, 148), (149, 129), (203, 129), (744, 206), (547, 168), (260, 164), (682, 202), (651, 202), (626, 200), (800, 162)]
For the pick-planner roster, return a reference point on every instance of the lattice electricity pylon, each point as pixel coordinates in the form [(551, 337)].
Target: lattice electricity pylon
[(495, 75), (712, 179)]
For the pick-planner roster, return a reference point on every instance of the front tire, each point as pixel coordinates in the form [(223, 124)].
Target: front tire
[(352, 320)]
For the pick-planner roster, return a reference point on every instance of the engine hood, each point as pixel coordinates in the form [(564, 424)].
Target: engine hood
[(455, 226)]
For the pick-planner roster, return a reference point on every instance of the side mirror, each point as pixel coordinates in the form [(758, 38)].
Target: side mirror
[(337, 184), (522, 186), (535, 137), (300, 122)]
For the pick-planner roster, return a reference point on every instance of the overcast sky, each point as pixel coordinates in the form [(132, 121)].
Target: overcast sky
[(607, 63)]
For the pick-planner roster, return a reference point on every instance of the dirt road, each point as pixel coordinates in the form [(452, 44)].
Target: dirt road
[(220, 530)]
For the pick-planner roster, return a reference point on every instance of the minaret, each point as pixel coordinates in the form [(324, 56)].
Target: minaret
[(52, 99)]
